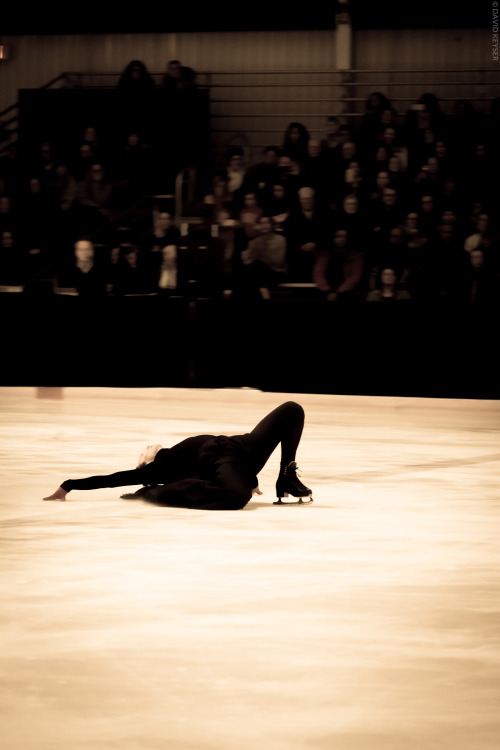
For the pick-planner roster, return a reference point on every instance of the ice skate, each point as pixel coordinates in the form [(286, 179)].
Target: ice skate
[(289, 484)]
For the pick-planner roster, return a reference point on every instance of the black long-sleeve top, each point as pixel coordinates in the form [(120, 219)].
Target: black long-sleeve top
[(193, 474)]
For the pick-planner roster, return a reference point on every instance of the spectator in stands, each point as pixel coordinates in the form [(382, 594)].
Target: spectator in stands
[(482, 233), (448, 260), (172, 80), (264, 260), (386, 214), (382, 181), (9, 171), (250, 214), (375, 105), (45, 165), (8, 217), (167, 282), (235, 173), (83, 162), (427, 215), (429, 181), (295, 142), (11, 266), (447, 167), (305, 231), (478, 175), (64, 189), (135, 94), (338, 270), (387, 289), (278, 206), (163, 234), (136, 81), (480, 285), (261, 177), (332, 138), (315, 168), (291, 176), (127, 275), (219, 203), (85, 273), (94, 199), (392, 253), (350, 217), (134, 169)]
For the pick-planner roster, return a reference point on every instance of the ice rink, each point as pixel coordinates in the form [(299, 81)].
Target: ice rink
[(369, 620)]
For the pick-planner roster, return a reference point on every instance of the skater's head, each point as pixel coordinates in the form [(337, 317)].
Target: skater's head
[(149, 455)]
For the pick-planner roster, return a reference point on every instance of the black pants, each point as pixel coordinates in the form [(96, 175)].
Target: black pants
[(224, 476)]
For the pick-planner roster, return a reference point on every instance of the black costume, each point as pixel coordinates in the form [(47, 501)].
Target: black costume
[(210, 472)]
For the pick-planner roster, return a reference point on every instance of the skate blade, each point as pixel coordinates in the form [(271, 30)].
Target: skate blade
[(295, 502)]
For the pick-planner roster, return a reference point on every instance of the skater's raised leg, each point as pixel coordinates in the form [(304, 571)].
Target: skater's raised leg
[(282, 426)]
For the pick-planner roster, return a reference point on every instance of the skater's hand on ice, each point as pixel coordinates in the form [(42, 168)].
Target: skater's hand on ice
[(256, 491), (59, 494)]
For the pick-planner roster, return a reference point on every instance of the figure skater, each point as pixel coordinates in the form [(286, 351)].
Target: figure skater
[(212, 472)]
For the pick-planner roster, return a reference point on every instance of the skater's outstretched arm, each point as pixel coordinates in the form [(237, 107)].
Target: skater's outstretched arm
[(118, 479)]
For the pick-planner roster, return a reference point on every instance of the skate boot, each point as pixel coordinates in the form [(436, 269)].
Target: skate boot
[(289, 484)]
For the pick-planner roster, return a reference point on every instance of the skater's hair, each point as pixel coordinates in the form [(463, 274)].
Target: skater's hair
[(148, 456)]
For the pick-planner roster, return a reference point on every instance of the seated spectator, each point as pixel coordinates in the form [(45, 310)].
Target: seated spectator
[(172, 79), (219, 203), (94, 199), (477, 177), (11, 265), (479, 284), (83, 162), (397, 174), (338, 270), (295, 142), (8, 215), (163, 234), (382, 181), (428, 180), (235, 174), (167, 282), (391, 253), (261, 177), (278, 206), (447, 166), (305, 231), (127, 276), (386, 214), (291, 176), (64, 189), (352, 218), (85, 273), (135, 91), (315, 168), (45, 165), (9, 171), (483, 230), (378, 161), (37, 226), (427, 215), (387, 289), (264, 260), (332, 138), (134, 168), (376, 104), (136, 82), (250, 214), (448, 260)]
